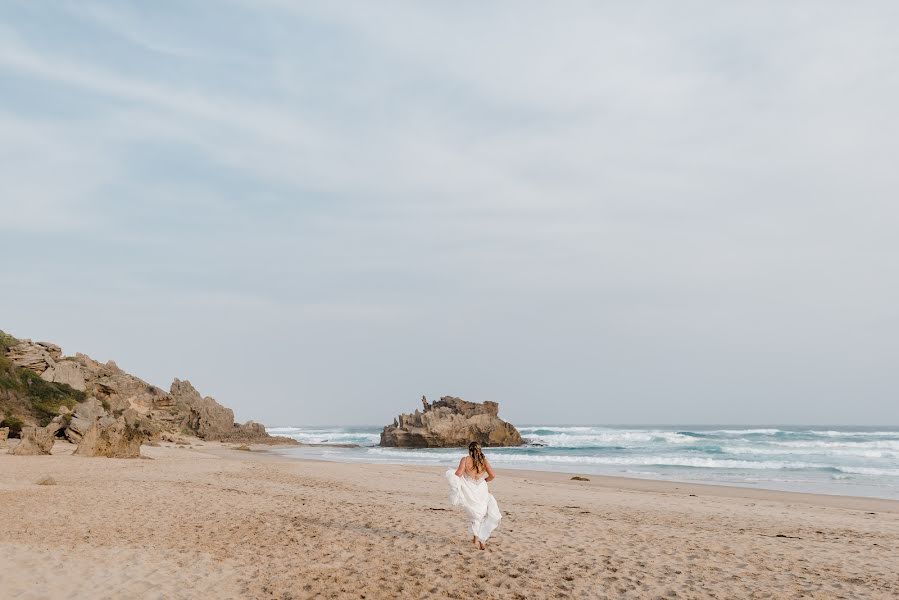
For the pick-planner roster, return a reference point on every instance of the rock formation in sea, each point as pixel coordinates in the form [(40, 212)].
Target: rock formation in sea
[(451, 422), (76, 397)]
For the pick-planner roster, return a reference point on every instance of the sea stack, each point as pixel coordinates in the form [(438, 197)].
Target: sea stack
[(451, 423)]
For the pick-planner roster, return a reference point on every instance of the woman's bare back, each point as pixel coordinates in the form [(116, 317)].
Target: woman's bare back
[(466, 467)]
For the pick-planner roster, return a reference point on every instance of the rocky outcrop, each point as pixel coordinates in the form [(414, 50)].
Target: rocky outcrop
[(206, 417), (254, 433), (115, 438), (36, 440), (4, 434), (104, 381), (118, 389), (35, 356), (451, 422), (83, 417), (253, 429), (67, 372), (209, 420), (110, 391)]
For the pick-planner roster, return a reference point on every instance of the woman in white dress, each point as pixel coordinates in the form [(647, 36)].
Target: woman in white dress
[(468, 489)]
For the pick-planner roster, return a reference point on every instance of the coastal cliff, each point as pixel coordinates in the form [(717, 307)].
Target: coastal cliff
[(449, 423), (44, 395)]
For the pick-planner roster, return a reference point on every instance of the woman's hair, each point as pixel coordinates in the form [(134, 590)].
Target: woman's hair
[(477, 457)]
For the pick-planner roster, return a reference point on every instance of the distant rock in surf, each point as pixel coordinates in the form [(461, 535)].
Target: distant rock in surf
[(451, 423)]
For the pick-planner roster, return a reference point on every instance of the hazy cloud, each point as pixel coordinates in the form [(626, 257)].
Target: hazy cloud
[(649, 212)]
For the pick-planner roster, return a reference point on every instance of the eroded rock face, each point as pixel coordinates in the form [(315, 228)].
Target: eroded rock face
[(206, 417), (67, 372), (36, 356), (114, 438), (252, 428), (449, 423), (121, 390), (105, 381), (111, 391), (210, 420), (36, 440), (83, 416)]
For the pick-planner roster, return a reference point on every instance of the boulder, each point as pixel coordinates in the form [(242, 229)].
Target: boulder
[(83, 416), (114, 438), (36, 440), (255, 433), (34, 356), (67, 372), (53, 350), (122, 391), (210, 420), (4, 433), (450, 423), (206, 417), (253, 428), (184, 395)]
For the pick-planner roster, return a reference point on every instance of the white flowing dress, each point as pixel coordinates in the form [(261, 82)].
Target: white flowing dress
[(479, 504)]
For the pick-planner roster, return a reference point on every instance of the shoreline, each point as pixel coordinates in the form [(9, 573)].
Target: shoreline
[(207, 520), (638, 484), (845, 460), (571, 471)]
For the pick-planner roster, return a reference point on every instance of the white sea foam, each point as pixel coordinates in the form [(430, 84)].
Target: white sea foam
[(851, 433), (852, 461), (741, 431), (814, 450), (326, 436), (645, 460), (869, 471), (598, 439), (869, 444)]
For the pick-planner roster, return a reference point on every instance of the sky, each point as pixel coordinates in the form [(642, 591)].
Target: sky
[(590, 212)]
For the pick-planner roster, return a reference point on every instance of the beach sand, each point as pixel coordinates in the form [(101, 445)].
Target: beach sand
[(213, 522)]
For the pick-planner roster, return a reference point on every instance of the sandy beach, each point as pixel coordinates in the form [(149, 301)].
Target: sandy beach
[(209, 521)]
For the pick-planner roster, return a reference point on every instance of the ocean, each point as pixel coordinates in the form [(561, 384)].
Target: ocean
[(857, 461)]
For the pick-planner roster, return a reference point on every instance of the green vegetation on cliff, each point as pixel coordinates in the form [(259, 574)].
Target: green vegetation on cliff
[(25, 398), (6, 342)]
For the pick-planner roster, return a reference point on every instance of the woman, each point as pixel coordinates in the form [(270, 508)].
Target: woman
[(468, 489)]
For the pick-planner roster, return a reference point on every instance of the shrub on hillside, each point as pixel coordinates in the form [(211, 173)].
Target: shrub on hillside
[(15, 425)]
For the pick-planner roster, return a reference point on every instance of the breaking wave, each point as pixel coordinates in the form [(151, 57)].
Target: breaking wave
[(857, 461)]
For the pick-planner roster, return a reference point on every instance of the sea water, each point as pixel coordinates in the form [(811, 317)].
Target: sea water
[(859, 461)]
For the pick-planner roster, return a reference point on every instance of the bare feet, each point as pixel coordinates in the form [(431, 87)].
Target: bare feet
[(474, 540), (482, 545)]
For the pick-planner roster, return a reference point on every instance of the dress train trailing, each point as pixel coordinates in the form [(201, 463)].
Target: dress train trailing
[(479, 504)]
